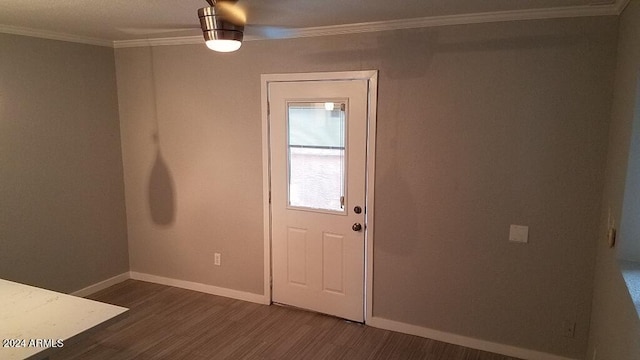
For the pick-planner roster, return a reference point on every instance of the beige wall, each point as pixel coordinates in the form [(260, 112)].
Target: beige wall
[(507, 126), (62, 217), (615, 328), (479, 127)]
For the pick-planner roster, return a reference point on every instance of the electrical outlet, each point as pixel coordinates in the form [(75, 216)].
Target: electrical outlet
[(519, 233), (216, 259), (569, 329)]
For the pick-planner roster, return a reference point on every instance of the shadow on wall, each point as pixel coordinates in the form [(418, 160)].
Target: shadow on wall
[(162, 204), (397, 205), (385, 50), (400, 210), (161, 188), (429, 42)]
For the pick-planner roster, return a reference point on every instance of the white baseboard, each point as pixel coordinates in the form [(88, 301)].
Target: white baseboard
[(101, 285), (209, 289), (483, 345), (374, 321)]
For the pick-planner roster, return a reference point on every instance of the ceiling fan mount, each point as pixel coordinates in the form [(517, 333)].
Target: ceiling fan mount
[(213, 2)]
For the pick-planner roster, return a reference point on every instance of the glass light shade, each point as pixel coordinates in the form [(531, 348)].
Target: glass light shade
[(221, 45)]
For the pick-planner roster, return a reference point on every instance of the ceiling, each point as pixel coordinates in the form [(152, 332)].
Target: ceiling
[(122, 23)]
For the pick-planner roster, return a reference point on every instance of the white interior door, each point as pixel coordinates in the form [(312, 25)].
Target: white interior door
[(318, 142)]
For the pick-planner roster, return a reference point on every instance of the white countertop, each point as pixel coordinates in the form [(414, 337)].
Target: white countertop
[(31, 316)]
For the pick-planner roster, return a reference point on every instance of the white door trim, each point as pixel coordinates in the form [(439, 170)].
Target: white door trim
[(371, 76)]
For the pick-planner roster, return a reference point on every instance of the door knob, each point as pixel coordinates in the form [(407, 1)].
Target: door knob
[(356, 227)]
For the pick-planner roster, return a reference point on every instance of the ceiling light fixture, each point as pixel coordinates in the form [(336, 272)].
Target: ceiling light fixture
[(219, 33)]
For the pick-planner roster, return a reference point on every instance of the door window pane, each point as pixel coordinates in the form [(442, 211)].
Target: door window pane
[(316, 150)]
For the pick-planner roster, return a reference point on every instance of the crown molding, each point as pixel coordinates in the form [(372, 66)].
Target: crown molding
[(621, 5), (7, 29), (424, 22), (611, 9), (478, 18)]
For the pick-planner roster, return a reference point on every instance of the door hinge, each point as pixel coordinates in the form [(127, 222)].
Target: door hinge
[(269, 196)]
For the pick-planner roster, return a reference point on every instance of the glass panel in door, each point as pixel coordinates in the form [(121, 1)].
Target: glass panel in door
[(316, 155)]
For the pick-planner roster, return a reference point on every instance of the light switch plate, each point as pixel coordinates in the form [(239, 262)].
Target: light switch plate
[(519, 233)]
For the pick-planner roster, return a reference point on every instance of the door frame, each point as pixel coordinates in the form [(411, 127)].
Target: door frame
[(371, 76)]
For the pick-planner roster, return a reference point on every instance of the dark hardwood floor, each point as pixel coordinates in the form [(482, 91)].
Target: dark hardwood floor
[(171, 323)]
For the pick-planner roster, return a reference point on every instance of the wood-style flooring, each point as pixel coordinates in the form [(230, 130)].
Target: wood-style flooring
[(170, 323)]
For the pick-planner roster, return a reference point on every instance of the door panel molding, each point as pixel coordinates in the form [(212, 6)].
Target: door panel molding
[(371, 77)]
